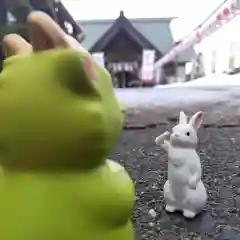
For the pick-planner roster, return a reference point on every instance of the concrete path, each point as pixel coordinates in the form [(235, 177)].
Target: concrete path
[(156, 105)]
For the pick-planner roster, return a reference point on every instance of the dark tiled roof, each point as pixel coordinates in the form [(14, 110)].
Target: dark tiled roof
[(155, 30), (122, 23)]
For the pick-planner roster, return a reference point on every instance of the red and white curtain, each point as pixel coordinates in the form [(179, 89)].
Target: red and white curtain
[(123, 67)]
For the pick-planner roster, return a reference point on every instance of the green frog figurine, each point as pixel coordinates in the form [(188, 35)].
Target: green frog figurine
[(60, 120)]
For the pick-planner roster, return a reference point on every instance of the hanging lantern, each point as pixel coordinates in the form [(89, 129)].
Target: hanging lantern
[(219, 17), (226, 12)]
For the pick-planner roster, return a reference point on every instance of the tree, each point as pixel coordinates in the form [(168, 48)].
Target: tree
[(20, 12), (44, 6)]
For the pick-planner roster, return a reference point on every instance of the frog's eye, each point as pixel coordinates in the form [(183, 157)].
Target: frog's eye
[(76, 73), (89, 68)]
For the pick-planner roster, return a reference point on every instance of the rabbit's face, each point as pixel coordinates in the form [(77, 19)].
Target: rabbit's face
[(184, 136), (185, 133)]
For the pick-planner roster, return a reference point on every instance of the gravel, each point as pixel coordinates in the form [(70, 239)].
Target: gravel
[(219, 150)]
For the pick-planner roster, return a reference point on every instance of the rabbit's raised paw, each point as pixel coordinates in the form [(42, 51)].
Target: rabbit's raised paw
[(170, 208)]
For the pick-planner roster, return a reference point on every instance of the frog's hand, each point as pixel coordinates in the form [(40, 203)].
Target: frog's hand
[(120, 171), (114, 167), (44, 34)]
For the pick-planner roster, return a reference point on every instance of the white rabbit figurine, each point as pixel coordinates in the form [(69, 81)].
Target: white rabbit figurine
[(184, 189)]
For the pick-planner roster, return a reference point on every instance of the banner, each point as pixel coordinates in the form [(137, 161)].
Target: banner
[(148, 59), (99, 57)]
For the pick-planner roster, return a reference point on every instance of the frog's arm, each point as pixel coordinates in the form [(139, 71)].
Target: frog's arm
[(114, 167)]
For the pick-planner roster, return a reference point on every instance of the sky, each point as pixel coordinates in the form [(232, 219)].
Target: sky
[(190, 13)]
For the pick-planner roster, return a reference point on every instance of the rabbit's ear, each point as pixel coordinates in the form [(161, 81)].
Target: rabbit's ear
[(196, 120), (182, 118)]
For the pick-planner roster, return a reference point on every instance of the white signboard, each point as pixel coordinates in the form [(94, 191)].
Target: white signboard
[(99, 57), (148, 57), (147, 74), (148, 65)]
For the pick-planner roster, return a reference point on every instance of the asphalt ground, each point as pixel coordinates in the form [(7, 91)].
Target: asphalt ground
[(219, 149)]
